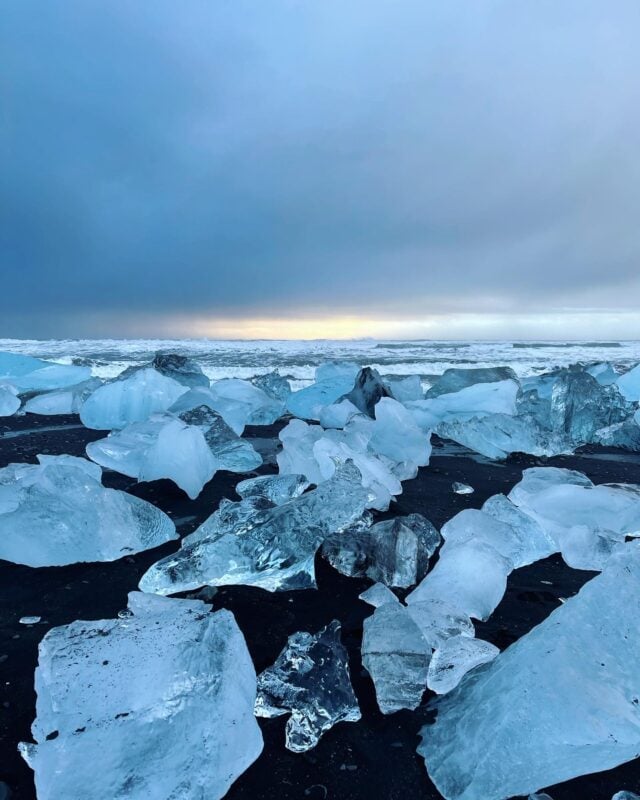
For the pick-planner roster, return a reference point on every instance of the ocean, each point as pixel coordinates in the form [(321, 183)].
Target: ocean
[(297, 360)]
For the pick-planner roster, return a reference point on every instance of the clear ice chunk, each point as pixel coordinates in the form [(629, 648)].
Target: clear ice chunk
[(455, 657), (125, 706), (64, 401), (395, 552), (404, 388), (367, 390), (454, 379), (277, 489), (14, 365), (261, 409), (58, 513), (9, 401), (310, 679), (462, 488), (181, 368), (134, 399), (562, 701), (256, 544), (273, 384), (337, 415), (629, 384), (308, 403)]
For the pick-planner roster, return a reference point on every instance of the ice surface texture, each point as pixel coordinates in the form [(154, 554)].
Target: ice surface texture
[(562, 701), (156, 705), (9, 401), (58, 512), (257, 543), (311, 680)]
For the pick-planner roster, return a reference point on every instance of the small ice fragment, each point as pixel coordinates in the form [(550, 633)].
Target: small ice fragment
[(377, 595), (310, 679), (454, 658), (625, 795), (462, 488), (29, 620), (9, 401)]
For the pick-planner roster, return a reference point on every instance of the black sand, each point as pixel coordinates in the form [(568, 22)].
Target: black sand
[(374, 758)]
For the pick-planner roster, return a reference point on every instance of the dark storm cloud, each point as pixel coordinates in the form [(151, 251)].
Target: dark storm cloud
[(243, 158)]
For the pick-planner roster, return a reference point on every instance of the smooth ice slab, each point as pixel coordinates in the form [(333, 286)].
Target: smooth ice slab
[(65, 401), (454, 658), (134, 399), (563, 701), (51, 376), (310, 679), (154, 705), (9, 401), (58, 512), (368, 389), (462, 488), (455, 379), (395, 552), (255, 543)]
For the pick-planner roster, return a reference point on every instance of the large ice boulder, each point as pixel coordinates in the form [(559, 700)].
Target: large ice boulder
[(260, 408), (153, 705), (62, 401), (562, 701), (257, 543), (134, 399), (332, 381), (58, 512)]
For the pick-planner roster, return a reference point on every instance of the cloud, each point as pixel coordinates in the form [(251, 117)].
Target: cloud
[(285, 159)]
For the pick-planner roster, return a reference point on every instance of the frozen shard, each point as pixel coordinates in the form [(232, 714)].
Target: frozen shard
[(454, 658), (404, 388), (395, 552), (378, 595), (153, 705), (454, 379), (629, 384), (368, 389), (396, 655), (625, 435), (134, 399), (9, 401), (277, 489), (273, 384), (477, 400), (310, 679), (57, 512), (462, 488), (51, 376), (62, 401), (255, 543), (560, 702)]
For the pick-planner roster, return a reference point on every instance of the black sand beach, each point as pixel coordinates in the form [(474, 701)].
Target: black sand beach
[(374, 758)]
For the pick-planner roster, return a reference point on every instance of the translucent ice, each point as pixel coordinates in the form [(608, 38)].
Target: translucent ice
[(234, 413), (277, 489), (273, 384), (395, 552), (64, 401), (473, 401), (560, 702), (261, 409), (134, 399), (534, 543), (125, 706), (9, 402), (396, 655), (625, 796), (461, 488), (51, 376), (396, 436), (257, 544), (470, 578), (337, 415), (368, 389), (310, 679), (13, 365), (625, 435), (453, 380), (58, 512), (454, 658), (404, 388), (308, 403)]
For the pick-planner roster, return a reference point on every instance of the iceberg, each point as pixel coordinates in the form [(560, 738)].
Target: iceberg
[(455, 657), (310, 680), (256, 543), (57, 512), (13, 365), (394, 552), (560, 702), (134, 399), (9, 401), (125, 706), (404, 388), (333, 380), (51, 376)]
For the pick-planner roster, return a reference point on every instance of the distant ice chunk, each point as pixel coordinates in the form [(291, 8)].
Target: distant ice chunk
[(473, 401), (470, 578), (29, 620), (13, 365), (254, 543), (64, 401), (462, 488), (629, 384), (308, 403), (396, 655), (296, 457), (368, 389), (337, 370), (603, 372), (395, 552), (568, 679), (125, 706), (278, 489), (625, 435), (311, 680), (58, 513), (454, 658), (9, 401), (134, 399)]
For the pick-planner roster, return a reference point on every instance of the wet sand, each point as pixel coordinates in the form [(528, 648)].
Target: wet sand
[(373, 758)]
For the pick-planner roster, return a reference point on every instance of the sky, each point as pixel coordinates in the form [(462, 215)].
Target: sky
[(276, 169)]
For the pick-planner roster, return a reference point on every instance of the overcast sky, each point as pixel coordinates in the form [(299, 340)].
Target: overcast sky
[(320, 168)]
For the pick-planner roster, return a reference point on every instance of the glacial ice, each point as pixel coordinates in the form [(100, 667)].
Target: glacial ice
[(277, 489), (560, 702), (258, 544), (395, 552), (625, 796), (63, 401), (396, 655), (51, 376), (9, 401), (454, 658), (296, 457), (470, 578), (57, 512), (153, 705), (308, 403), (181, 450), (454, 380), (273, 384), (462, 488), (134, 399), (625, 435), (310, 679), (629, 384), (404, 388), (378, 595), (181, 368), (368, 389)]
